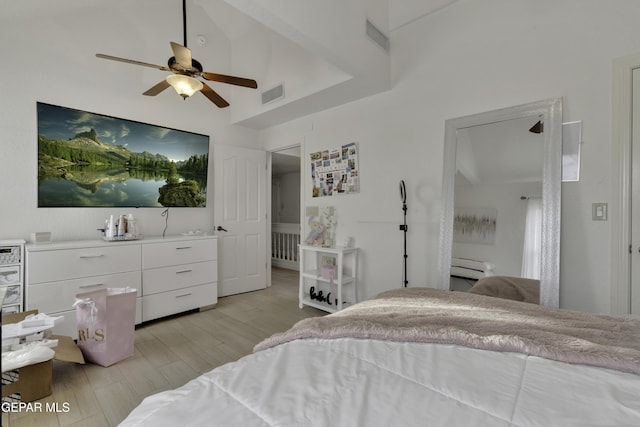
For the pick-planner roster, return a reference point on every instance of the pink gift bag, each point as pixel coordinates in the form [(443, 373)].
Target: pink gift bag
[(106, 324)]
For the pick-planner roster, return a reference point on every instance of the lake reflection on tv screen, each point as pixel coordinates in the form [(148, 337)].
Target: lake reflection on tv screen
[(58, 192)]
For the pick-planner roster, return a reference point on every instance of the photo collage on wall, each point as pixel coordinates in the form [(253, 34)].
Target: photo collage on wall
[(335, 171)]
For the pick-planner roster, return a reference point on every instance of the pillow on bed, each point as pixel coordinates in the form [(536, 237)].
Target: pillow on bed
[(507, 287)]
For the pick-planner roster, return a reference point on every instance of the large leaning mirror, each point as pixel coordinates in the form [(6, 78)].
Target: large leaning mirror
[(501, 195)]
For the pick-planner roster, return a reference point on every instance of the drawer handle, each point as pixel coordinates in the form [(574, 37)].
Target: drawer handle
[(183, 271), (183, 247), (91, 286), (183, 295), (92, 256)]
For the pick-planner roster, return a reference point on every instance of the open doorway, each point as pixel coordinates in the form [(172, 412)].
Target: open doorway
[(285, 210)]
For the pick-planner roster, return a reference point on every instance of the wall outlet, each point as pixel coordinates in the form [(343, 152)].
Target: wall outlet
[(599, 211)]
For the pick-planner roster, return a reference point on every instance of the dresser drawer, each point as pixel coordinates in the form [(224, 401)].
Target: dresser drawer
[(55, 265), (167, 303), (10, 275), (53, 297), (178, 276), (178, 252), (12, 295)]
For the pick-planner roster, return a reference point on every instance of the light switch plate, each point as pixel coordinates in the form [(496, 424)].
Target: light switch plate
[(599, 211)]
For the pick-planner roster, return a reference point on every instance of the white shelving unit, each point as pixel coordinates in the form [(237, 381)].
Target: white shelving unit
[(12, 275), (325, 288)]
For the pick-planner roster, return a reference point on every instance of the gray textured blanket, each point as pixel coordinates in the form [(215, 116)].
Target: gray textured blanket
[(477, 321)]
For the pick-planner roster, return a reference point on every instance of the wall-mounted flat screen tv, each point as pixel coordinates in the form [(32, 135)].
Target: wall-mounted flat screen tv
[(92, 160)]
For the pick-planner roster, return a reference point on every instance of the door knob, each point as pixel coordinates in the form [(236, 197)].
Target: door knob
[(219, 228)]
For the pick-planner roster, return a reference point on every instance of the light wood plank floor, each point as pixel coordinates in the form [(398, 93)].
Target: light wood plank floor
[(168, 353)]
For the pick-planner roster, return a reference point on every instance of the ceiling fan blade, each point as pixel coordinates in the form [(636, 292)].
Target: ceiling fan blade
[(232, 80), (182, 55), (157, 88), (132, 61), (213, 96)]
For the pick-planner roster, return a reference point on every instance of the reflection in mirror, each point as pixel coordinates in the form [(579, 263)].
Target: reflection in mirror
[(498, 179), (501, 197)]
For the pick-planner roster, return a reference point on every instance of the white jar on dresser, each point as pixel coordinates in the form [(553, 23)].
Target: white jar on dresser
[(172, 274)]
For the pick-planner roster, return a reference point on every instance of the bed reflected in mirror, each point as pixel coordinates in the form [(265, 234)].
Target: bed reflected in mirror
[(501, 198)]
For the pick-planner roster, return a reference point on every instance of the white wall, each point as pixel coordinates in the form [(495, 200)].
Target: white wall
[(285, 198), (471, 57), (49, 52)]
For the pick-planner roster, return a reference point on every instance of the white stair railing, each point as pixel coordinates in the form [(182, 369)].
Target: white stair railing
[(285, 239)]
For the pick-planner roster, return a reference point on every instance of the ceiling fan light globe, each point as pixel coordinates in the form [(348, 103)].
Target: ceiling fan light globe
[(185, 86)]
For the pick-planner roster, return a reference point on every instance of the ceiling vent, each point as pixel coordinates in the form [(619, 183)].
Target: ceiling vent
[(273, 94), (377, 36)]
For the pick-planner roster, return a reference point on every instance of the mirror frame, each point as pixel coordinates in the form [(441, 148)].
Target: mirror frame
[(551, 112)]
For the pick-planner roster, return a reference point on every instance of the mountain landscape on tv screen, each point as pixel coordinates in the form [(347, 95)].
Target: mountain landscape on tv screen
[(83, 170)]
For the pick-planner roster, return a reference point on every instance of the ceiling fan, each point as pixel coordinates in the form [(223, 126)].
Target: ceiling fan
[(184, 71)]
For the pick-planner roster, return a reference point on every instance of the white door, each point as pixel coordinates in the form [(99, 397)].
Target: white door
[(635, 194), (240, 208)]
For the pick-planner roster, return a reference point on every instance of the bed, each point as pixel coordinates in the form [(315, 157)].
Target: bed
[(508, 287), (422, 357)]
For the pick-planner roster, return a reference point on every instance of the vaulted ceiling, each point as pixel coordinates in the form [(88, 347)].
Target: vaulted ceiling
[(319, 51)]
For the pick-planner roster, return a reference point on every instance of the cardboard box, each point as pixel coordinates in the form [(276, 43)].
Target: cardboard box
[(34, 382), (28, 383)]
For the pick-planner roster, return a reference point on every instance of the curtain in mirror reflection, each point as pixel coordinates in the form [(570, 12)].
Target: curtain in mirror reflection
[(532, 250)]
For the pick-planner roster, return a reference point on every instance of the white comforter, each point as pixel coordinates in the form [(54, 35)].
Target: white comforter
[(352, 382)]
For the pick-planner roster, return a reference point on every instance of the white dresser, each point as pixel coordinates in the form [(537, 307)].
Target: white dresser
[(172, 275), (178, 275)]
